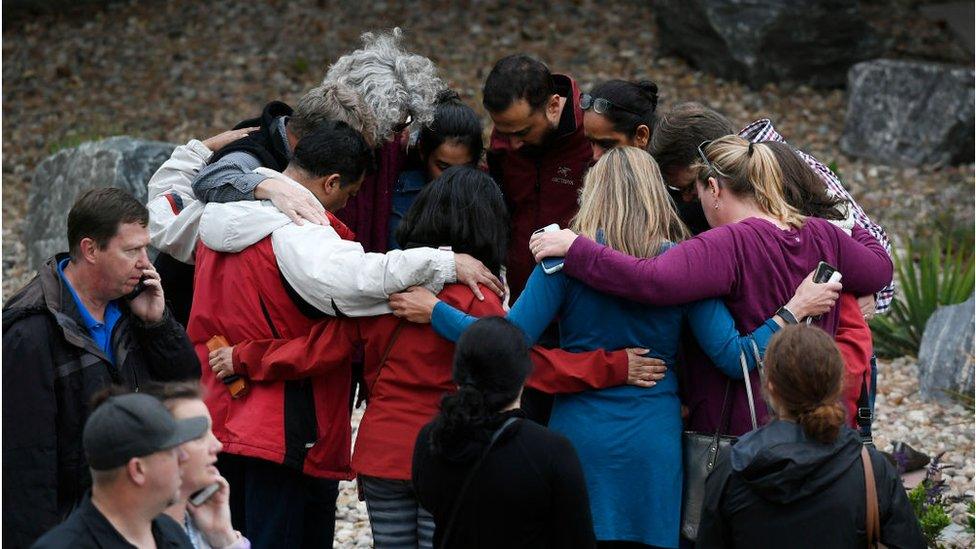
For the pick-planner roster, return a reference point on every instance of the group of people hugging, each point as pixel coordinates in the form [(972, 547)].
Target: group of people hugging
[(523, 387)]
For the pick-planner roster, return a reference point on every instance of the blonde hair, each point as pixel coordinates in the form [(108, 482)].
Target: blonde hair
[(750, 170), (624, 195)]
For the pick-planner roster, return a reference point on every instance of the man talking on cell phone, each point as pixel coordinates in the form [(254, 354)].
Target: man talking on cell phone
[(73, 330)]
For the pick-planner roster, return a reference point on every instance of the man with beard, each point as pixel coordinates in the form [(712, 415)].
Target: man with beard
[(133, 448), (538, 155)]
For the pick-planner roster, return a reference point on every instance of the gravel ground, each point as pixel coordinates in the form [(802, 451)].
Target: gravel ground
[(180, 69)]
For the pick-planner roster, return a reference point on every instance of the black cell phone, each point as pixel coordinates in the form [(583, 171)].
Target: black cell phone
[(824, 272), (202, 495), (140, 287)]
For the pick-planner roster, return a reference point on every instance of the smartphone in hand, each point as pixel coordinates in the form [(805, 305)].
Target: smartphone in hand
[(550, 264), (201, 496), (825, 273), (140, 287)]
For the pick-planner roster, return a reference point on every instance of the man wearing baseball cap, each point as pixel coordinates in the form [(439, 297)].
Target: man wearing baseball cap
[(132, 444)]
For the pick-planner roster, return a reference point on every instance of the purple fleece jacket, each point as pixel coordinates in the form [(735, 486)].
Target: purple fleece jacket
[(754, 265)]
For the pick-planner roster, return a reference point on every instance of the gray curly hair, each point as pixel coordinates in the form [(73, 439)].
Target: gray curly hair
[(333, 101), (391, 81)]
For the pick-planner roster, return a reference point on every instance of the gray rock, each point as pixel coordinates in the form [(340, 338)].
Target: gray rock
[(811, 42), (909, 113), (945, 359), (122, 162)]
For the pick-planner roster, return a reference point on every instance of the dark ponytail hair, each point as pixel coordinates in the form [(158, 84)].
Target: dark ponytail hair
[(807, 373), (638, 97), (802, 189), (453, 121), (491, 363), (463, 209)]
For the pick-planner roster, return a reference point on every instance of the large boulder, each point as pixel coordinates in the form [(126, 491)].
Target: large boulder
[(909, 113), (122, 162), (945, 359), (771, 41)]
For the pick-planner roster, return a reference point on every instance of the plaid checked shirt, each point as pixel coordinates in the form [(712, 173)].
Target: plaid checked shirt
[(762, 130)]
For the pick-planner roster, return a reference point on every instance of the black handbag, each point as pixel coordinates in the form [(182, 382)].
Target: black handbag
[(700, 452)]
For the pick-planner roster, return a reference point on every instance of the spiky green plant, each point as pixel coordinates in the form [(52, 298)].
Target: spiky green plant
[(926, 279)]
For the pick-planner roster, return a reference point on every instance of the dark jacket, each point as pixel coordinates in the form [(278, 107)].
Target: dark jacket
[(541, 185), (262, 144), (87, 528), (528, 492), (780, 489), (51, 370)]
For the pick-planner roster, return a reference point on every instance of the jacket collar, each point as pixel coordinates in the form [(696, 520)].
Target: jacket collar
[(62, 306)]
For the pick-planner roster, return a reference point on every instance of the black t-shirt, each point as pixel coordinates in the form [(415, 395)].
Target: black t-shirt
[(87, 527), (528, 492)]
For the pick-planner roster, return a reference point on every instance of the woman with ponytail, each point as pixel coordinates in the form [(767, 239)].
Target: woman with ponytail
[(618, 113), (759, 250), (490, 477), (799, 482)]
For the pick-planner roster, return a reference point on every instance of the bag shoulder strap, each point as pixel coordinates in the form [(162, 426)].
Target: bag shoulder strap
[(748, 381), (386, 354), (873, 524), (467, 480)]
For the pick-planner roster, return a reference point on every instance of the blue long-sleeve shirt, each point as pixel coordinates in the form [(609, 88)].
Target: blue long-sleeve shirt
[(709, 319)]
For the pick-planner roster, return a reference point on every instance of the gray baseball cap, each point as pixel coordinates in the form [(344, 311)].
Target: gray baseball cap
[(134, 425)]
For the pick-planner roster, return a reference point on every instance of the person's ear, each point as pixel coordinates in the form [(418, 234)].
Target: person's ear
[(331, 183), (87, 249), (552, 108), (713, 187), (136, 469), (642, 136)]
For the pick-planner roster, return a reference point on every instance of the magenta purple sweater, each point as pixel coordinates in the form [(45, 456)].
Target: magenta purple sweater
[(754, 265)]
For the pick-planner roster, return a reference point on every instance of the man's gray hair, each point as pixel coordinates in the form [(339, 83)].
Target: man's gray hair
[(391, 81), (333, 101)]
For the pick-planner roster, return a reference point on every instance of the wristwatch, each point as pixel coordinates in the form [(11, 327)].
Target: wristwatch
[(787, 316)]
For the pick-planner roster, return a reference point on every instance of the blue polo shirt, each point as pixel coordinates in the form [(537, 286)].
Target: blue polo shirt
[(101, 332)]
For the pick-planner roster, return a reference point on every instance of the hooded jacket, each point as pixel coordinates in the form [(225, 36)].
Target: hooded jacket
[(780, 489), (542, 186), (51, 369)]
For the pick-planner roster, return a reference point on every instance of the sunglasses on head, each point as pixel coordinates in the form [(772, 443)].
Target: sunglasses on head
[(601, 105), (403, 125), (701, 152)]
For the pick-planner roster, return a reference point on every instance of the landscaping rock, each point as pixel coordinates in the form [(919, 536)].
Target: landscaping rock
[(909, 113), (945, 359), (122, 162), (761, 42)]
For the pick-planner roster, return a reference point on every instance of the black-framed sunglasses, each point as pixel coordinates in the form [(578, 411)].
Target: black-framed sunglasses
[(601, 105), (701, 152), (403, 125)]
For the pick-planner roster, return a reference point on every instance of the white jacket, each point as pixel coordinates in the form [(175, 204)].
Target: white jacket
[(333, 275), (171, 232)]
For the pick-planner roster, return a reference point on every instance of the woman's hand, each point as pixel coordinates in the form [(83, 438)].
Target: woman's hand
[(644, 371), (298, 203), (212, 517), (812, 299), (551, 244), (472, 272), (223, 139), (868, 305), (416, 304), (222, 362)]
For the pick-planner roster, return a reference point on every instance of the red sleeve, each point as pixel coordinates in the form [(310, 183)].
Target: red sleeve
[(559, 371), (328, 345), (853, 339)]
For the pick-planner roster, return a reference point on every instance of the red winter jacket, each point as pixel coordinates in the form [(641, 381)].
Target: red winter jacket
[(302, 423), (853, 339), (405, 390), (544, 188)]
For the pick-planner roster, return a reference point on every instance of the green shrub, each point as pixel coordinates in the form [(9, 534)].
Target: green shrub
[(939, 274), (929, 502)]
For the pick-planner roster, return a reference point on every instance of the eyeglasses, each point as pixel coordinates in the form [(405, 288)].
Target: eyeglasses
[(704, 157), (403, 125), (601, 105)]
